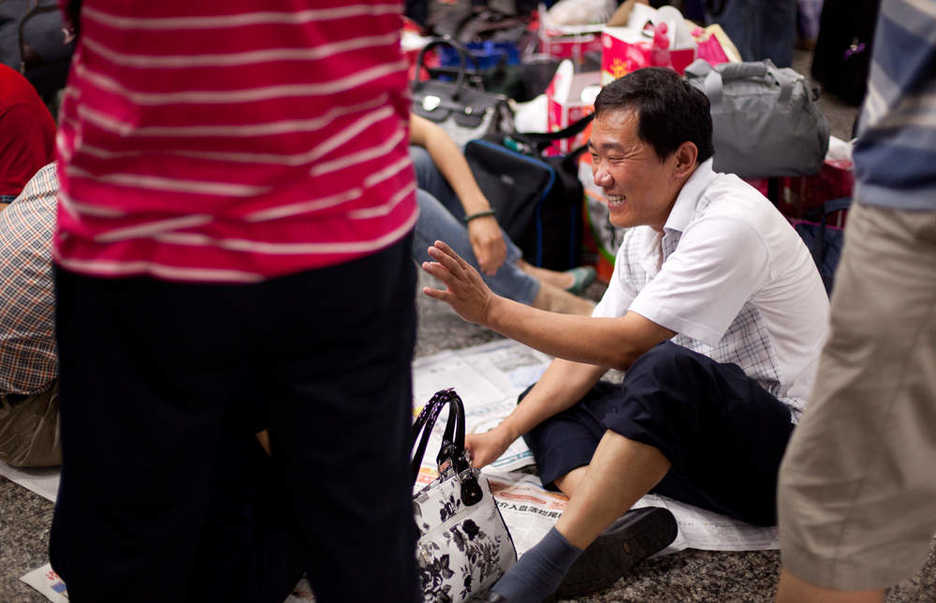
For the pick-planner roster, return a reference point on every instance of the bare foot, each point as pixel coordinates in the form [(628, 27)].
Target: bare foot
[(554, 299), (562, 280)]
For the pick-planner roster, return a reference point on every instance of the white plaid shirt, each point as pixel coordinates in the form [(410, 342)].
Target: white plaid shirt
[(28, 363), (735, 283)]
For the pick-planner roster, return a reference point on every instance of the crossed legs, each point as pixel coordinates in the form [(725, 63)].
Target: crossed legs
[(621, 472)]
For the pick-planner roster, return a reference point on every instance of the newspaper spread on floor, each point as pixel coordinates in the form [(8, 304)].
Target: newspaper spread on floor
[(47, 582), (488, 379)]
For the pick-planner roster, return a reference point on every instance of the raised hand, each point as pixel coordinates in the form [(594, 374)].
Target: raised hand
[(465, 291)]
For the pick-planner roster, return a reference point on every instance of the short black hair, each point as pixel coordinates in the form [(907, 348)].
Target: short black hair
[(670, 111)]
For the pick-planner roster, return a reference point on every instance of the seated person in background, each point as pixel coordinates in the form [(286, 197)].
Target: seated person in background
[(27, 133), (449, 197), (29, 400), (715, 310), (29, 432)]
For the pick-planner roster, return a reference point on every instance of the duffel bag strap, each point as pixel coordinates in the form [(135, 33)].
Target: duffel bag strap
[(541, 140)]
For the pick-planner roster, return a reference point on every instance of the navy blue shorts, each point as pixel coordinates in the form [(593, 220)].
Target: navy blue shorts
[(722, 432)]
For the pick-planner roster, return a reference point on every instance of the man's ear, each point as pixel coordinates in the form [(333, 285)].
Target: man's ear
[(686, 155)]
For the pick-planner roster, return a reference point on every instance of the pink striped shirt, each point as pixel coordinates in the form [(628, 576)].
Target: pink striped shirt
[(233, 140)]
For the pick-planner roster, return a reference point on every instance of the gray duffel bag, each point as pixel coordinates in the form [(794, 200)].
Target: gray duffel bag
[(765, 121)]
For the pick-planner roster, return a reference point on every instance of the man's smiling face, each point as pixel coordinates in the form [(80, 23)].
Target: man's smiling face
[(639, 186)]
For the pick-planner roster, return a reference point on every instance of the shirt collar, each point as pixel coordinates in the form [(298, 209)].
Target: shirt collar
[(689, 195)]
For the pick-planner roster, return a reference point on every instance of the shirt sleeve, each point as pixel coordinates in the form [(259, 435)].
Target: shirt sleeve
[(717, 266)]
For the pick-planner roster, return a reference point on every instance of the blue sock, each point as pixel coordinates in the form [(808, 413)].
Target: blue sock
[(539, 571)]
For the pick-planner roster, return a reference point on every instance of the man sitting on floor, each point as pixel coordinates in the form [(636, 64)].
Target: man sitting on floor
[(29, 433), (715, 310)]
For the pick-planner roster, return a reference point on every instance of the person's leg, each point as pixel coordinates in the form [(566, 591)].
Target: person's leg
[(778, 31), (341, 419), (431, 180), (741, 20), (791, 589), (160, 479), (563, 280), (761, 29), (436, 223), (563, 447), (722, 432), (681, 424), (857, 486), (574, 280), (691, 434), (29, 429), (621, 472)]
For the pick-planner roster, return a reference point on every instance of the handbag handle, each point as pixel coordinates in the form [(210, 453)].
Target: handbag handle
[(451, 449), (453, 441), (541, 140), (459, 71)]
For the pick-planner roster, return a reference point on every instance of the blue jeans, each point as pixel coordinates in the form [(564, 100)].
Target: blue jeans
[(441, 218), (760, 29)]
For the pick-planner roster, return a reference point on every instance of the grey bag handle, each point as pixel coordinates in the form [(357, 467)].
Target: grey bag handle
[(698, 69), (742, 71), (715, 78)]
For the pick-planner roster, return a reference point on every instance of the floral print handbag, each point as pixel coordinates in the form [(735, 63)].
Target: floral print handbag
[(464, 546)]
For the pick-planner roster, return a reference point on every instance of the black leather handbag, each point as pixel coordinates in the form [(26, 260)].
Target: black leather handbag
[(461, 107)]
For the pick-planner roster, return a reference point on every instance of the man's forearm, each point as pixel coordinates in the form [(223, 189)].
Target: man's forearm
[(607, 342)]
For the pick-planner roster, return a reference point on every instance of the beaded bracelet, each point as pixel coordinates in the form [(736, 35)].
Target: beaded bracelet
[(480, 214)]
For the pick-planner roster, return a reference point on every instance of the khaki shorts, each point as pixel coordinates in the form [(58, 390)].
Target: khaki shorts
[(29, 431), (857, 492)]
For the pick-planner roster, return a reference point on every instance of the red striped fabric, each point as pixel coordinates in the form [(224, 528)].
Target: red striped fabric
[(233, 140)]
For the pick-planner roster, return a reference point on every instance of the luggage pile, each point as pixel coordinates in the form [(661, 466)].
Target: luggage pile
[(514, 84)]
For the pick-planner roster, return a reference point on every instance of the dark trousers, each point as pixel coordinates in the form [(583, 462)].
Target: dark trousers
[(722, 432), (760, 29), (165, 494)]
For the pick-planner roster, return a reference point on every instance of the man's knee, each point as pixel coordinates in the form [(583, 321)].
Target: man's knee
[(665, 363)]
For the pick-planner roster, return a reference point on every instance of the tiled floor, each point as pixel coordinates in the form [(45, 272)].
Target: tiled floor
[(687, 576)]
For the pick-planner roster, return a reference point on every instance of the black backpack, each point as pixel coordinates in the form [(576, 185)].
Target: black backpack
[(538, 199)]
